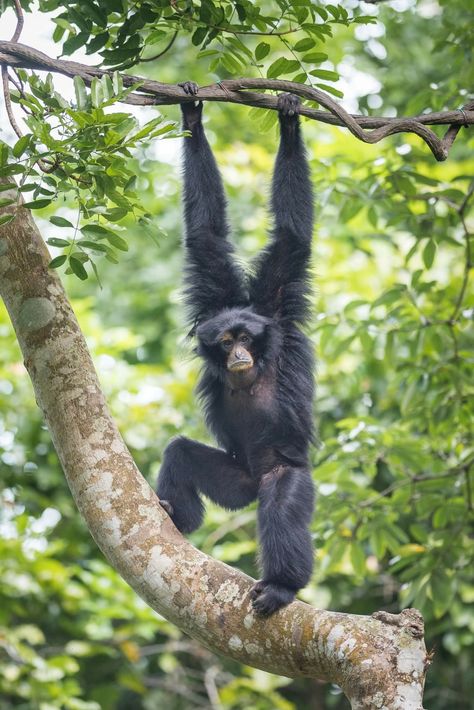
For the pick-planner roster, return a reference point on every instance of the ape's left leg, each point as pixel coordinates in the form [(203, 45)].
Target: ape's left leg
[(286, 499), (190, 469)]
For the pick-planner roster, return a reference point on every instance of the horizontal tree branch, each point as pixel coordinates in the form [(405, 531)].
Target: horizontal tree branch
[(366, 128), (378, 661)]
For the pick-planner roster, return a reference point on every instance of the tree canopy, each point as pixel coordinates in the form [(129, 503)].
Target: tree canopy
[(392, 327)]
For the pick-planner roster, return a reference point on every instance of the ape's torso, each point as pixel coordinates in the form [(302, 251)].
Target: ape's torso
[(258, 427), (249, 418)]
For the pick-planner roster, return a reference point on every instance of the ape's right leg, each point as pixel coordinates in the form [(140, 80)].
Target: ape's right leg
[(189, 469)]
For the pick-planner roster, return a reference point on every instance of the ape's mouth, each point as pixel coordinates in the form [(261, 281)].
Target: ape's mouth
[(240, 365)]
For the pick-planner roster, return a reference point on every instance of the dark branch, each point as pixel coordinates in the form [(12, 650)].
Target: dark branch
[(19, 21), (236, 91)]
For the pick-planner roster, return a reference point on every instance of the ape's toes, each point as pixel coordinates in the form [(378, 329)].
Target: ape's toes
[(289, 104), (268, 598), (256, 590), (166, 505), (189, 87)]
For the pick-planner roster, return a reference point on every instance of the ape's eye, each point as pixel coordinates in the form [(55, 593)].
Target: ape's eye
[(226, 344), (245, 339)]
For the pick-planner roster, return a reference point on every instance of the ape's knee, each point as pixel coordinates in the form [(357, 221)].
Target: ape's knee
[(175, 451), (175, 488)]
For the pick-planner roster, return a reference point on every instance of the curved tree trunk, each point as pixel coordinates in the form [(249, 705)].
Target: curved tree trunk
[(379, 661)]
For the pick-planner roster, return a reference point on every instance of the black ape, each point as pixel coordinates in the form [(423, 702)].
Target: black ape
[(257, 382)]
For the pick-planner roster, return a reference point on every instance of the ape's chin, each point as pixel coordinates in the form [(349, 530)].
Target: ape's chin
[(241, 379)]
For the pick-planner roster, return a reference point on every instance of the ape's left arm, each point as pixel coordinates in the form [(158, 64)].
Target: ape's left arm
[(279, 287), (279, 291)]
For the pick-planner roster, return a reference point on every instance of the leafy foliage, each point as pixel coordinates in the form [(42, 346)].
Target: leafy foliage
[(85, 154)]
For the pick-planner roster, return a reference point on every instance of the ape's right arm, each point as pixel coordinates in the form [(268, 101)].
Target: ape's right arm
[(280, 285), (213, 281)]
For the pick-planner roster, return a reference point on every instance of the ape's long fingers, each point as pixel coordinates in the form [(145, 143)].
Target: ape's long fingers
[(189, 87)]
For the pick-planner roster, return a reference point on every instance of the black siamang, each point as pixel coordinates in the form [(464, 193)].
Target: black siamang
[(257, 382)]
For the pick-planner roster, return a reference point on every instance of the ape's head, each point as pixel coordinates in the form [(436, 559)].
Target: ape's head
[(238, 344)]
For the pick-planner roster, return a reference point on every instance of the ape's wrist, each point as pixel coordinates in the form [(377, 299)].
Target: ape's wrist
[(192, 115)]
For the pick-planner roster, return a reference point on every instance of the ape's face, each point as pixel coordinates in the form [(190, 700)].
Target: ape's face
[(234, 344), (238, 350)]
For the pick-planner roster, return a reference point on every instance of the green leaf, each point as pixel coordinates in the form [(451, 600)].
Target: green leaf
[(350, 209), (321, 12), (5, 201), (36, 204), (442, 592), (116, 214), (110, 256), (268, 120), (3, 153), (86, 244), (61, 222), (96, 230), (440, 517), (261, 50), (230, 63), (57, 242), (331, 90), (21, 145), (390, 296), (97, 93), (282, 66), (81, 93), (117, 241), (325, 74), (6, 218), (429, 253), (315, 58), (404, 184), (304, 44), (78, 268), (147, 129), (378, 544), (199, 36), (276, 68), (366, 342), (57, 261), (94, 269), (357, 557), (117, 83), (8, 186)]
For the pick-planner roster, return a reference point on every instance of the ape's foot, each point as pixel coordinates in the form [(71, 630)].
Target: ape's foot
[(267, 598), (186, 514), (189, 87), (289, 104), (166, 505)]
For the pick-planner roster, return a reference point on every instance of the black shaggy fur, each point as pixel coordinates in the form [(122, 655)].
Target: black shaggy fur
[(265, 427)]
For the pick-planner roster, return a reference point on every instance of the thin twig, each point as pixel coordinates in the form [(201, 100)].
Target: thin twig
[(468, 259), (467, 472), (160, 54), (211, 688), (254, 33), (15, 81), (5, 76), (8, 102)]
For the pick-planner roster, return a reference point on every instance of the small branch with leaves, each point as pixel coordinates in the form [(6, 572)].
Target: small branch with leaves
[(247, 91)]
